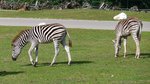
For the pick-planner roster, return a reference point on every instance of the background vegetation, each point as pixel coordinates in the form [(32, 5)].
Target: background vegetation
[(93, 61), (142, 4)]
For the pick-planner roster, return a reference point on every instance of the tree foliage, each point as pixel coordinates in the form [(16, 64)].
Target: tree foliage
[(141, 4)]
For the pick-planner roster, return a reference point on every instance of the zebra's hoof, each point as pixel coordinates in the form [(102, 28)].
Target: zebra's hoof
[(116, 55), (51, 64), (35, 64), (32, 62), (69, 64), (137, 57)]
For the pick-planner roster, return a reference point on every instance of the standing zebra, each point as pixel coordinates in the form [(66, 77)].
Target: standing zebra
[(41, 34), (126, 27)]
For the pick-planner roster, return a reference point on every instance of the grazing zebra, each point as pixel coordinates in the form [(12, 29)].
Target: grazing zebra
[(41, 34), (126, 27)]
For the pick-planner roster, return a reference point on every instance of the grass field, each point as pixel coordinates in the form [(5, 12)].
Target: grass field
[(84, 14), (93, 61)]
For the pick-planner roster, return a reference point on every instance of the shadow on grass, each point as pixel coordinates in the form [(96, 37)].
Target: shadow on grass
[(75, 62), (72, 63), (143, 55), (4, 73)]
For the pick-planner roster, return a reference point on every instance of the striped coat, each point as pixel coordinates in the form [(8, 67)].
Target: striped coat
[(124, 28), (42, 34), (46, 33)]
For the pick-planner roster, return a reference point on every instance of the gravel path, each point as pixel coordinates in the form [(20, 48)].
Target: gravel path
[(85, 24)]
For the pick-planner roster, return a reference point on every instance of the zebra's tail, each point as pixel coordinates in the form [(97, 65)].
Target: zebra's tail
[(70, 42), (140, 30)]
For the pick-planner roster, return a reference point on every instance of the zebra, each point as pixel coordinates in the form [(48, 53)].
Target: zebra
[(47, 33), (126, 27)]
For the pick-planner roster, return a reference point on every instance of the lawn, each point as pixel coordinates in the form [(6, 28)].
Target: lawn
[(84, 14), (93, 61)]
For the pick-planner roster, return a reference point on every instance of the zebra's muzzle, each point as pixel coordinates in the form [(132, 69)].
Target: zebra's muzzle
[(14, 59)]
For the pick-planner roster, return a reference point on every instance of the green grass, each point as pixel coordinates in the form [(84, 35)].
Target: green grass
[(93, 61), (85, 14)]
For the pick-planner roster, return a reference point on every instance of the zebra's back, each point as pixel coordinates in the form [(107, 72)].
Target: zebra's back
[(127, 26), (46, 33)]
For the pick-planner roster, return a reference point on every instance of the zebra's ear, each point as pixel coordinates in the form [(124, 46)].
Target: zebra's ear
[(113, 41)]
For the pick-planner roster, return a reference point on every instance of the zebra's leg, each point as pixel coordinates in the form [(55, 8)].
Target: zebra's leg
[(125, 46), (117, 46), (116, 51), (56, 46), (30, 52), (137, 42), (36, 55), (63, 42)]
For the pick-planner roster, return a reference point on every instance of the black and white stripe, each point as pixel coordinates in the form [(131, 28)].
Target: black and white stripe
[(46, 33), (125, 28), (43, 34)]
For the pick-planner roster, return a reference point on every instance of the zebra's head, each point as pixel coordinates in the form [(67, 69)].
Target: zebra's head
[(18, 43), (16, 50), (117, 46)]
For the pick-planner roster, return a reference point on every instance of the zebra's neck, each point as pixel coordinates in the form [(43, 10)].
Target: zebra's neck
[(23, 42), (23, 39)]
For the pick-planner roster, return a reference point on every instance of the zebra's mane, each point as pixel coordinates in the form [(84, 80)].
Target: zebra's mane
[(18, 35)]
